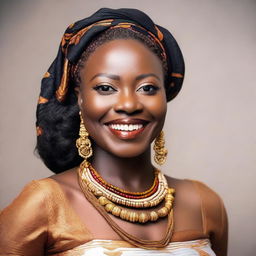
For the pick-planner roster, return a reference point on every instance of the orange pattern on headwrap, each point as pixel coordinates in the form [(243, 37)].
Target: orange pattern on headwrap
[(124, 25), (71, 25), (157, 39), (39, 131), (159, 34), (63, 87), (70, 38), (178, 75), (67, 40), (42, 100), (46, 75)]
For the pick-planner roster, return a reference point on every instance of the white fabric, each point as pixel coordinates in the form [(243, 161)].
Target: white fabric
[(200, 247)]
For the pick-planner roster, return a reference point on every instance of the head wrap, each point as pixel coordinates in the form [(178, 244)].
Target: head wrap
[(78, 35)]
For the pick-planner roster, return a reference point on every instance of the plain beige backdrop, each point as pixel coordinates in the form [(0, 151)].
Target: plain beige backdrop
[(210, 126)]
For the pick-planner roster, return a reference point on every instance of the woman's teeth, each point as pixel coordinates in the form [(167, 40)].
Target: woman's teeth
[(126, 127)]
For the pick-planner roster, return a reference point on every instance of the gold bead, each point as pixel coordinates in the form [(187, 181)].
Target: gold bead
[(168, 205), (143, 217), (155, 203), (168, 202), (91, 187), (162, 212), (169, 197), (146, 204), (123, 214), (103, 200), (134, 216), (109, 207), (116, 211), (127, 217), (98, 193), (171, 190), (153, 216)]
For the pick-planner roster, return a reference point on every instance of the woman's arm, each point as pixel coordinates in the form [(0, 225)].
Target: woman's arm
[(214, 216), (220, 234), (24, 223)]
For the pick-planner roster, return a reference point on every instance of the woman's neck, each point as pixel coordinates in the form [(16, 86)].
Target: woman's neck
[(133, 174)]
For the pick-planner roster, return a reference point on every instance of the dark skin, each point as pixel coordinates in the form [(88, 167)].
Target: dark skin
[(123, 80)]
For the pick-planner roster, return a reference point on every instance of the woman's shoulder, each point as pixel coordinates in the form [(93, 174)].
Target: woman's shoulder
[(212, 206), (34, 195), (194, 194), (192, 189), (26, 218)]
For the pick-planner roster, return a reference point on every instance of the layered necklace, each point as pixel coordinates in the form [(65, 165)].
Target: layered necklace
[(124, 204)]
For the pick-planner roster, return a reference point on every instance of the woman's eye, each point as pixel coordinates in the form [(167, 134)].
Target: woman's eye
[(148, 89), (104, 89)]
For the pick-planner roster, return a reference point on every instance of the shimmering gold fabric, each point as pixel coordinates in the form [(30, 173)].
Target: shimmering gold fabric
[(41, 221)]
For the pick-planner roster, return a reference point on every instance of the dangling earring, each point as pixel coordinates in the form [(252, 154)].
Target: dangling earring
[(160, 150), (83, 143)]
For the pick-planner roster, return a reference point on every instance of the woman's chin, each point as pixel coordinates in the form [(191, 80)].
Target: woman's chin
[(131, 151)]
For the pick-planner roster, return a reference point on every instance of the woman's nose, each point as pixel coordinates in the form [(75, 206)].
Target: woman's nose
[(129, 103)]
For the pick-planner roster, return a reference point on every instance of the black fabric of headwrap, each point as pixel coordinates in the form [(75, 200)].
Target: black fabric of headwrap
[(77, 36)]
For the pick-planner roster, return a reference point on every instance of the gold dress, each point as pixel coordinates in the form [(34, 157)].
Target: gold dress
[(41, 221)]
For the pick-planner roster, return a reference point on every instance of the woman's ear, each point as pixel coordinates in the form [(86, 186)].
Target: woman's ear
[(79, 98)]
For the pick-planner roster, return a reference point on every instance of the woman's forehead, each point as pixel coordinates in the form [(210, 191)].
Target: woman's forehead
[(123, 55)]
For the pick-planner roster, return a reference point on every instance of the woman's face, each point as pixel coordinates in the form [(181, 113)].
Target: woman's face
[(122, 97)]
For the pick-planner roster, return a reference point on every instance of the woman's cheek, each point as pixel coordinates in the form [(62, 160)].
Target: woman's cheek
[(157, 106), (95, 105)]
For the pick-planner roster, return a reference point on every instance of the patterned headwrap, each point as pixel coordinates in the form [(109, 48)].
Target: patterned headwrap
[(78, 35)]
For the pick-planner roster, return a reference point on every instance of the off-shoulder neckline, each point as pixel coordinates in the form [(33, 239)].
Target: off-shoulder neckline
[(178, 236)]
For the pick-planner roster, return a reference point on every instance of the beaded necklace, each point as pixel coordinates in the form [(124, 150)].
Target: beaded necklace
[(105, 206), (122, 192), (109, 195)]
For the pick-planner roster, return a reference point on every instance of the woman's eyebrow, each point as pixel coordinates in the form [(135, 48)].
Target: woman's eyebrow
[(111, 76), (116, 77), (147, 75)]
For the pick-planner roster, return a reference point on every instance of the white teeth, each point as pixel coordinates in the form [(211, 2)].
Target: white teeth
[(126, 127)]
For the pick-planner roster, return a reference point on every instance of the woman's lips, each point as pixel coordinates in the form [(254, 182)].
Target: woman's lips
[(127, 129)]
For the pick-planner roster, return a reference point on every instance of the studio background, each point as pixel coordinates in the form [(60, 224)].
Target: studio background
[(210, 127)]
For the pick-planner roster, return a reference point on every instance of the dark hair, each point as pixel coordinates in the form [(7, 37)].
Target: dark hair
[(60, 121)]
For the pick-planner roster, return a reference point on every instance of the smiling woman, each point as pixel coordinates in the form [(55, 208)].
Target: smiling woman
[(106, 93), (124, 91)]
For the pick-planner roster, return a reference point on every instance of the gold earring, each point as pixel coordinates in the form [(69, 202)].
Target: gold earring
[(83, 143), (160, 150)]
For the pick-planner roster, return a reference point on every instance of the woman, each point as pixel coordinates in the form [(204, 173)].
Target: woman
[(110, 83)]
